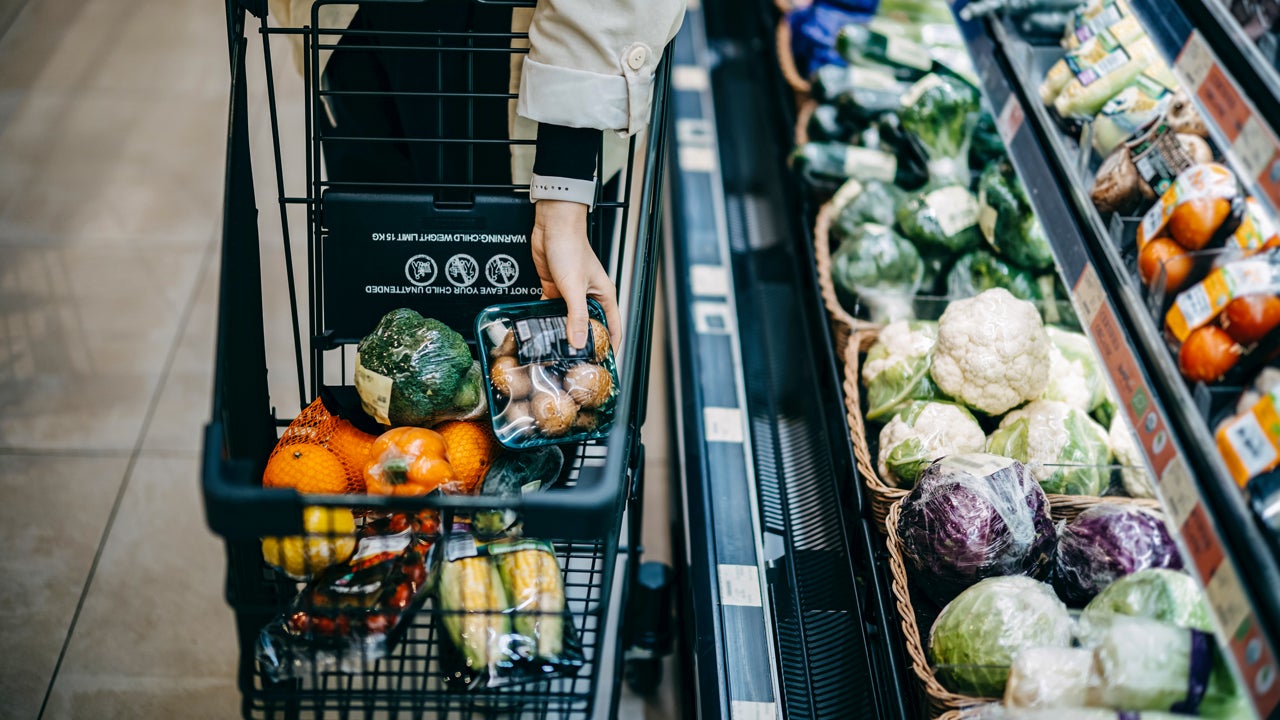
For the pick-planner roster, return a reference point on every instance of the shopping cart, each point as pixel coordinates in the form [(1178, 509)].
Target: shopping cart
[(347, 222)]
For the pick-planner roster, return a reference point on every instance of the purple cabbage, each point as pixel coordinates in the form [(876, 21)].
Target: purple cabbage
[(971, 517), (1107, 542)]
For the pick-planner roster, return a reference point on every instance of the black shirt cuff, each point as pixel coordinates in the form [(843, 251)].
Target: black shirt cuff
[(566, 152)]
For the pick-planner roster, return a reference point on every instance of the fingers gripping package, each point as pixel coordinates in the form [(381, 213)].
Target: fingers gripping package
[(542, 390)]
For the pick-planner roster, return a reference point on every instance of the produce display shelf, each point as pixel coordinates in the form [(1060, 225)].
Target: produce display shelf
[(778, 586), (1235, 88), (1216, 532)]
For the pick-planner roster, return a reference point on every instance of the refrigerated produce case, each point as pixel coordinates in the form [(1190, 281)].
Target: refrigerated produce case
[(767, 461)]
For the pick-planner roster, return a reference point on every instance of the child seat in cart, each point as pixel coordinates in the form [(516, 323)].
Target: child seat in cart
[(377, 215)]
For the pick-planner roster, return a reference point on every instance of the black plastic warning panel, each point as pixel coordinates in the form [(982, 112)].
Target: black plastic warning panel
[(381, 251)]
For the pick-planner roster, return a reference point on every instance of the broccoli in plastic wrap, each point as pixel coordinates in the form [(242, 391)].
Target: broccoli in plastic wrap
[(413, 370)]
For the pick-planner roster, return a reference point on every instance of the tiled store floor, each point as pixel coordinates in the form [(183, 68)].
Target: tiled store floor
[(112, 132)]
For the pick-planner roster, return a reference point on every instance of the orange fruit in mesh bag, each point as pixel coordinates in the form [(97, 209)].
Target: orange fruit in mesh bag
[(307, 468), (350, 444), (471, 447)]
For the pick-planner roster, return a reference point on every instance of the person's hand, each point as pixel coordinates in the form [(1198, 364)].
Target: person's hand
[(570, 270)]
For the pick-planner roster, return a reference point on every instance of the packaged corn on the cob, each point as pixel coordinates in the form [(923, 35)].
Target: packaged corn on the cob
[(502, 605)]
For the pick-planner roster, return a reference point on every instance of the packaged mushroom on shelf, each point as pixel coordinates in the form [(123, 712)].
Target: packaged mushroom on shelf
[(542, 390)]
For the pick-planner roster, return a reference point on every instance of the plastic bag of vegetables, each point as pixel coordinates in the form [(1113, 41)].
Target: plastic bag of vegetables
[(939, 112), (860, 202), (413, 370), (1066, 450), (880, 269), (977, 635), (980, 270), (1143, 664), (1106, 542), (896, 370), (1168, 596), (922, 432), (1007, 220), (944, 220), (974, 516)]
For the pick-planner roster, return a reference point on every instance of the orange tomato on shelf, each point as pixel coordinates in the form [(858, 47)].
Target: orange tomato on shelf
[(1207, 354), (1250, 318), (408, 461), (1163, 252), (1194, 222)]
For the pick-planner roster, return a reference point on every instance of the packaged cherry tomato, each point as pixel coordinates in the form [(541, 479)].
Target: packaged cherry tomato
[(542, 390), (352, 614)]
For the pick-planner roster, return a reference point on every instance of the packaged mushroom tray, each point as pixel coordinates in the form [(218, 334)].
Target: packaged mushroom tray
[(542, 389)]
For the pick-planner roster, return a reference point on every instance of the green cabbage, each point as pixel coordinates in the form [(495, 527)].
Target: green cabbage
[(879, 268), (977, 635), (1169, 596)]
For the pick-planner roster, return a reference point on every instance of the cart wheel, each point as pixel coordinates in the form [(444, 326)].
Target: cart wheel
[(643, 675), (648, 630)]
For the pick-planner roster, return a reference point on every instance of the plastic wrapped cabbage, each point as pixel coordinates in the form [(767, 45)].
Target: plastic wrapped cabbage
[(1075, 376), (1106, 542), (1133, 474), (1168, 596), (896, 370), (977, 635), (858, 202), (1144, 664), (880, 268), (997, 712), (971, 517), (921, 433), (1066, 450)]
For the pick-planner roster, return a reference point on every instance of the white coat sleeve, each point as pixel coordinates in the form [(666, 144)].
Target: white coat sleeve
[(591, 63)]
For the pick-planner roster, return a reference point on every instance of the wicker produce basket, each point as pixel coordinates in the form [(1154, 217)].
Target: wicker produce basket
[(883, 495), (803, 116), (937, 699), (786, 61)]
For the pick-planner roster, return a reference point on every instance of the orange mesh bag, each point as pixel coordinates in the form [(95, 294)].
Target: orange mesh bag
[(319, 453), (471, 446)]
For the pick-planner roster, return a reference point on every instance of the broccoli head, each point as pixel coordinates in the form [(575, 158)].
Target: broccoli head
[(426, 361), (939, 112)]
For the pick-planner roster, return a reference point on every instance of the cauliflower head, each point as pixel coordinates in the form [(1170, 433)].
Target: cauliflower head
[(922, 433), (1134, 475), (992, 352), (1067, 452), (1075, 376), (896, 370)]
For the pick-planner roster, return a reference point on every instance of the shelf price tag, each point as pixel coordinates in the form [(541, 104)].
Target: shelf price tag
[(1228, 600), (1010, 119), (1178, 491), (1198, 533)]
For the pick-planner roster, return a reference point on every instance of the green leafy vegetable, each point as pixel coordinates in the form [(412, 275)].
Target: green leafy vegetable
[(940, 111), (980, 270), (432, 374)]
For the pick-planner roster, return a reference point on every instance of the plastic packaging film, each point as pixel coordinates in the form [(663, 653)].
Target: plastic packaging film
[(974, 516), (542, 390)]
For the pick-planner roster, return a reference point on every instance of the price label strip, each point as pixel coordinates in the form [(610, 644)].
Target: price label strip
[(1181, 498)]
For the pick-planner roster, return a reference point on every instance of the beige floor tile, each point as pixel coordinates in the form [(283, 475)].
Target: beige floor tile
[(54, 43), (52, 516), (155, 637), (107, 170), (169, 49), (84, 334)]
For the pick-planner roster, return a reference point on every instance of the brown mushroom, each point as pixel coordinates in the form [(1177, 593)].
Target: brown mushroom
[(589, 385), (509, 378), (553, 412)]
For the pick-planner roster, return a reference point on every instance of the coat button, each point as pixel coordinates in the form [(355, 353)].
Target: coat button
[(636, 58)]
